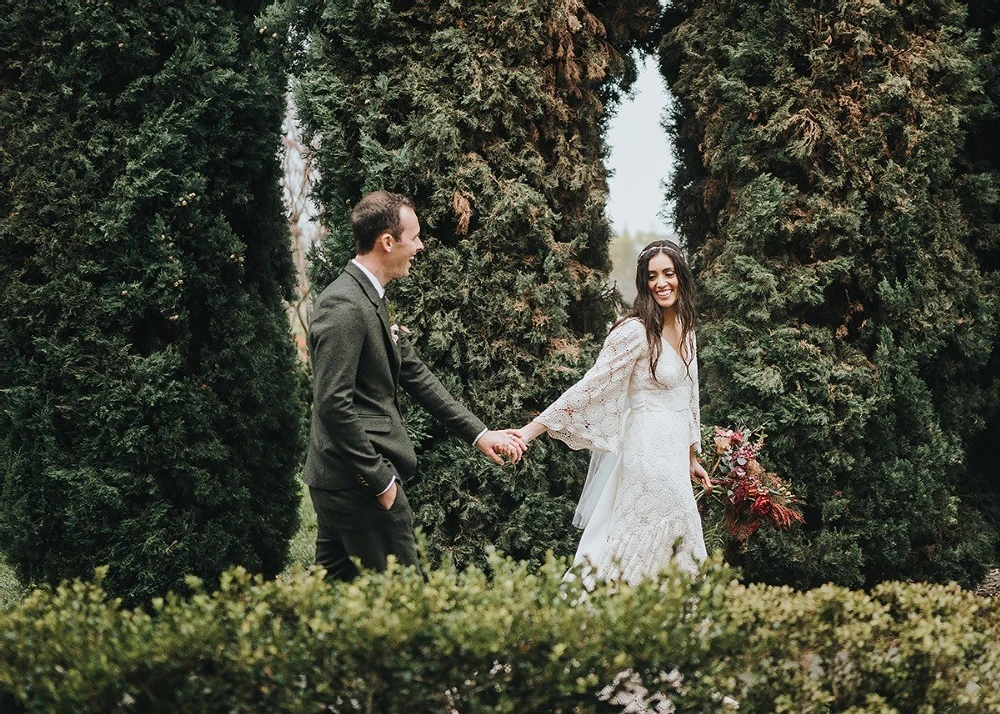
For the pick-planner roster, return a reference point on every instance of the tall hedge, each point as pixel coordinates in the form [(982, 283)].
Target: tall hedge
[(490, 115), (849, 280), (149, 417), (981, 199)]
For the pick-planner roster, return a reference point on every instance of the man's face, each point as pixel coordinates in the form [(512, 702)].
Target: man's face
[(406, 246)]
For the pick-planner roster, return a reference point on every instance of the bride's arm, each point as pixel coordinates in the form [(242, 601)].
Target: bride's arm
[(589, 414), (531, 430)]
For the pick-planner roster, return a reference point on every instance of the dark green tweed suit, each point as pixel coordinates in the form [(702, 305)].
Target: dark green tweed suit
[(357, 441)]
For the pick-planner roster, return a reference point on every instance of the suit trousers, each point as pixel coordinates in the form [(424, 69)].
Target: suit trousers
[(352, 523)]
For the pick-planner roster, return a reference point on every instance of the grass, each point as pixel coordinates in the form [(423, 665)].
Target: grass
[(302, 549), (11, 590)]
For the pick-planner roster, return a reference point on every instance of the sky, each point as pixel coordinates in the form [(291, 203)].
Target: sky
[(640, 157)]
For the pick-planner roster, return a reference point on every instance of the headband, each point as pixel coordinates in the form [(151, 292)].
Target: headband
[(658, 245)]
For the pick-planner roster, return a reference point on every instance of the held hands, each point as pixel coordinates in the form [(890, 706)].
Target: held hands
[(511, 443), (500, 443)]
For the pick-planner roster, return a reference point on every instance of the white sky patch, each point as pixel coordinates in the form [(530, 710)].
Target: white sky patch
[(641, 158)]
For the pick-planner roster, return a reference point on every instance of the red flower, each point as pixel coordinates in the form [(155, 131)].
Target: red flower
[(761, 506)]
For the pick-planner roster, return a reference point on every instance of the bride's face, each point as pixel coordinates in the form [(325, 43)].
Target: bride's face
[(662, 280)]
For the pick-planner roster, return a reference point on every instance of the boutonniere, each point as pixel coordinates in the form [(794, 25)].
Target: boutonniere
[(396, 330)]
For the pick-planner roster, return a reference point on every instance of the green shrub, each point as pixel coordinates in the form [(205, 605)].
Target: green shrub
[(518, 640), (981, 202), (148, 410)]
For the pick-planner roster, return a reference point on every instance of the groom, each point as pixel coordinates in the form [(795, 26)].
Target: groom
[(359, 452)]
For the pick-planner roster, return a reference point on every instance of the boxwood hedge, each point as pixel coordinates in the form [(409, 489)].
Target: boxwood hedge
[(510, 638)]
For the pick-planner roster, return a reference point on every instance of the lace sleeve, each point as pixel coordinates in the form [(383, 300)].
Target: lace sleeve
[(695, 411), (589, 414)]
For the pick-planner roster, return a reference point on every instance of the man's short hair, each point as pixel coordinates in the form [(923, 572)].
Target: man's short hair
[(375, 214)]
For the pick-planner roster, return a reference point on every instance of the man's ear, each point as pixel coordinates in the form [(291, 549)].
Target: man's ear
[(385, 241)]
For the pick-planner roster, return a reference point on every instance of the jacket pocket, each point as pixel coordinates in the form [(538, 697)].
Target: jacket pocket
[(376, 423)]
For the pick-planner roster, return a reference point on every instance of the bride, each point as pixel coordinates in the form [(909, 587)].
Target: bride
[(637, 410)]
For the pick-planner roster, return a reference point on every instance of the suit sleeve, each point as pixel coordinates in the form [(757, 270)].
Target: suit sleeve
[(337, 335), (421, 384)]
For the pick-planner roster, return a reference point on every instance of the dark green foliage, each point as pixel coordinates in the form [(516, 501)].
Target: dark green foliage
[(490, 115), (847, 260), (981, 202), (149, 417), (523, 641)]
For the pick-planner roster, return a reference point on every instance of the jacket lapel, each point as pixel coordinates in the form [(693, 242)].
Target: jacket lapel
[(390, 344), (369, 290)]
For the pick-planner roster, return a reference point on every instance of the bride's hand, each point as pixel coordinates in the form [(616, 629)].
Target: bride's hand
[(698, 473)]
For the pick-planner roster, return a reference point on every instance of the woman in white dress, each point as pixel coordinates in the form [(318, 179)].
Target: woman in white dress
[(637, 409)]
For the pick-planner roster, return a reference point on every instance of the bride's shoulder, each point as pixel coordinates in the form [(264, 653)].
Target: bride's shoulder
[(629, 330)]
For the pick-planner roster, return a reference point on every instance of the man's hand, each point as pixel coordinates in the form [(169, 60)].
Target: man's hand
[(387, 498), (508, 442)]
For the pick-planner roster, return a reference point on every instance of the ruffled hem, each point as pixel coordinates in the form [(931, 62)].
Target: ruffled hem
[(643, 552)]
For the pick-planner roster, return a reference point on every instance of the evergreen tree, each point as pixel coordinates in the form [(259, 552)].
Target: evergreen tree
[(149, 417), (490, 115), (849, 287), (981, 203)]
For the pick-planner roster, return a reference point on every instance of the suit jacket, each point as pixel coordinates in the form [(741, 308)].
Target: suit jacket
[(356, 435)]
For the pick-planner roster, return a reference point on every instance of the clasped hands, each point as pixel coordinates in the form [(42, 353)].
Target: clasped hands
[(501, 443)]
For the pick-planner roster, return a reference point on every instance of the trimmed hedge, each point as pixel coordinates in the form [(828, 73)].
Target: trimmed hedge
[(518, 640)]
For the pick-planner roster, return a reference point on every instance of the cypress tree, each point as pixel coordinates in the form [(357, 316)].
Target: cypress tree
[(149, 413), (981, 202), (850, 305), (490, 116)]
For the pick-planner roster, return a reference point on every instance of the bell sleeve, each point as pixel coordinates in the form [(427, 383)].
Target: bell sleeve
[(589, 414)]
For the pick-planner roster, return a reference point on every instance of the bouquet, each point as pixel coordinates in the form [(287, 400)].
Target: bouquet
[(751, 496)]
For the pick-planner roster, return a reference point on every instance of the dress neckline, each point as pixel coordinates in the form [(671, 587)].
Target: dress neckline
[(665, 341)]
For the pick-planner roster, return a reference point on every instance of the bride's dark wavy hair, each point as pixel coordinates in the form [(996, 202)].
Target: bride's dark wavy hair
[(651, 314)]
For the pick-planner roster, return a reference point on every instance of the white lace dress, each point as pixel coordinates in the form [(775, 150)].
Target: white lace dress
[(640, 510)]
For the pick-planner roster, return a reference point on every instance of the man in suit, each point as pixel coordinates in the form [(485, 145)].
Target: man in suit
[(359, 452)]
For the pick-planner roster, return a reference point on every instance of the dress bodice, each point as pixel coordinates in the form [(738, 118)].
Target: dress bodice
[(672, 389)]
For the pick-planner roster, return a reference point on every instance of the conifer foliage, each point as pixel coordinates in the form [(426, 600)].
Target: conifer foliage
[(848, 269), (981, 201), (149, 414), (490, 115)]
